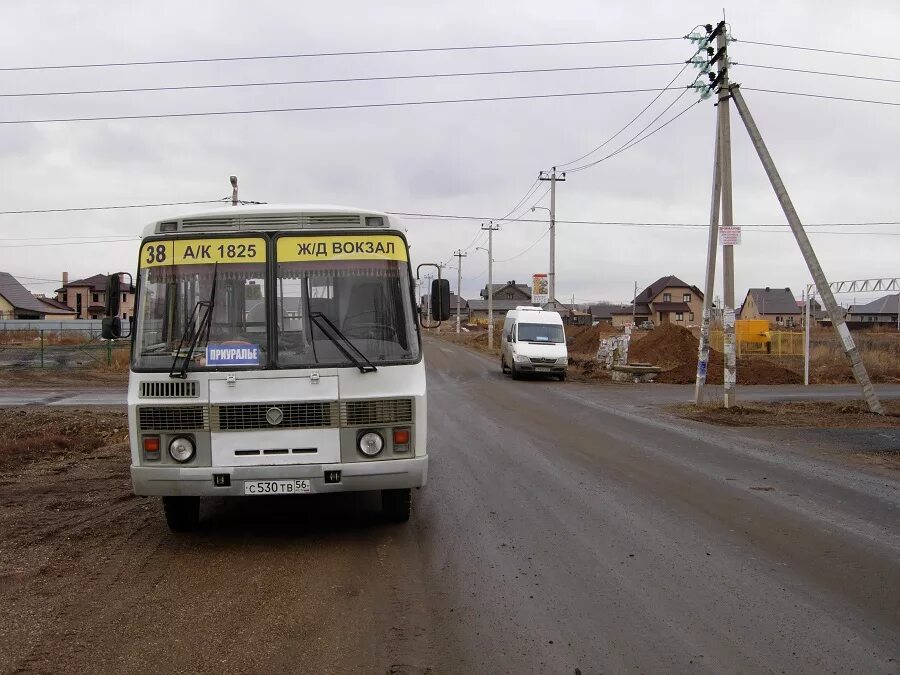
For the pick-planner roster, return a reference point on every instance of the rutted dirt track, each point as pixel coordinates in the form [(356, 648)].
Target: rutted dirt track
[(563, 527)]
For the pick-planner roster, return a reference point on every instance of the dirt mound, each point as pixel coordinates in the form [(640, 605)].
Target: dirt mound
[(586, 339), (667, 346), (674, 349)]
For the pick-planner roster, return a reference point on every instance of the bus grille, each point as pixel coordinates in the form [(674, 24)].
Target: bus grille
[(237, 417), (376, 413), (170, 389), (173, 418)]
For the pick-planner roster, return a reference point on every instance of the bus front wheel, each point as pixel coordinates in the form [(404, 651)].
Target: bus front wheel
[(396, 505), (182, 513)]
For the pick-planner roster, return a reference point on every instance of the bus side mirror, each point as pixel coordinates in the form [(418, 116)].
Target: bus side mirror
[(440, 300), (113, 291), (111, 328)]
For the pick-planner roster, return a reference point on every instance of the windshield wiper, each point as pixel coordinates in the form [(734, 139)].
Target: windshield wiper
[(191, 336), (323, 321)]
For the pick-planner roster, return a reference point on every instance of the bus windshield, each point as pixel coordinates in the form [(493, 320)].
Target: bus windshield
[(166, 310), (336, 301), (322, 305)]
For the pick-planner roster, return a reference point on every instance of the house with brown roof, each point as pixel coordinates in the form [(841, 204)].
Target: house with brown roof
[(56, 311), (666, 300), (776, 305), (16, 302), (88, 297)]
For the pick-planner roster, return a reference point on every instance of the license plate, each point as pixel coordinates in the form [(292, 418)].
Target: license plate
[(276, 487), (542, 369)]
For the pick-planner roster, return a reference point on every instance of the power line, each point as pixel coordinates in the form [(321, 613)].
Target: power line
[(444, 216), (817, 72), (519, 203), (75, 243), (536, 242), (106, 208), (235, 85), (632, 121), (823, 51), (831, 98), (259, 111), (367, 52), (635, 140)]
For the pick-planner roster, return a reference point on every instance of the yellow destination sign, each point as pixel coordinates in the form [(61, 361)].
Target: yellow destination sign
[(203, 251), (341, 247)]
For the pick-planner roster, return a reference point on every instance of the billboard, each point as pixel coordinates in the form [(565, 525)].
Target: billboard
[(540, 289)]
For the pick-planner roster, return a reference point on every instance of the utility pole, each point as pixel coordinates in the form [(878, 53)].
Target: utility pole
[(724, 119), (234, 190), (459, 255), (711, 250), (812, 262), (553, 178), (491, 228), (634, 307)]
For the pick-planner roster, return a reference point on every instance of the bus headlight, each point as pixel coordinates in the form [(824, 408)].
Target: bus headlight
[(181, 449), (371, 443)]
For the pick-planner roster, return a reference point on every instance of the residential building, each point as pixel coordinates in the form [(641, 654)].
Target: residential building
[(463, 307), (776, 305), (509, 291), (16, 302), (506, 296), (55, 310), (882, 311), (602, 312), (666, 300), (88, 297)]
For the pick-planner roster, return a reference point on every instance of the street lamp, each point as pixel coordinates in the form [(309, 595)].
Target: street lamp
[(552, 255)]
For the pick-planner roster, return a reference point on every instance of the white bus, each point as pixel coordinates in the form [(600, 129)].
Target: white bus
[(275, 350)]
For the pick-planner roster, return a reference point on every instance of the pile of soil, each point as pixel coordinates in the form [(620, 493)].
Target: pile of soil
[(674, 349), (586, 339), (30, 434)]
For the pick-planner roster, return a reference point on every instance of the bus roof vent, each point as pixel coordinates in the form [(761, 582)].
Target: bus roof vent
[(333, 219), (209, 223), (265, 221)]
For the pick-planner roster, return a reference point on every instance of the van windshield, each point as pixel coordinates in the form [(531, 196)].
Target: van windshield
[(540, 332)]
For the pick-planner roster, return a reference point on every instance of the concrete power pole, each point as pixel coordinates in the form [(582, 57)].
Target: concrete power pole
[(711, 249), (459, 255), (491, 228), (553, 178), (727, 217), (234, 190), (812, 262)]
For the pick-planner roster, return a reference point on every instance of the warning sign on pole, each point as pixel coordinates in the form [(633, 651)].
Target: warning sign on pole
[(730, 236)]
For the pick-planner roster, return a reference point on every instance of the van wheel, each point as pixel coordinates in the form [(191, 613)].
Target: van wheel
[(562, 377), (516, 375), (182, 513), (396, 505), (503, 368)]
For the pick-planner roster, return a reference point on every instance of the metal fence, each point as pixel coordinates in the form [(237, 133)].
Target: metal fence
[(774, 343), (91, 326), (54, 349)]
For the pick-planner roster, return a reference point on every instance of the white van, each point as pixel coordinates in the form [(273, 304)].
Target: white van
[(533, 341)]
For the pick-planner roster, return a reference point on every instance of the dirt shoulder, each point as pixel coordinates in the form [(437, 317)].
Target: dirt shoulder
[(840, 430), (812, 414), (91, 580), (36, 378)]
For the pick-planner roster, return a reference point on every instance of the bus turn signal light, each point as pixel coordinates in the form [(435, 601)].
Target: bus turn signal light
[(151, 447), (401, 436)]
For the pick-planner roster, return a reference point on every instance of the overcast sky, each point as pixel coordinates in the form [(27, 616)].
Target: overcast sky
[(838, 159)]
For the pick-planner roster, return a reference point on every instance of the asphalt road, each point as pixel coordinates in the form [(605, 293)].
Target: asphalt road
[(564, 527)]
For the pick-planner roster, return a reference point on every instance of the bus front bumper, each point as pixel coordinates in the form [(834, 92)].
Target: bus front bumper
[(355, 476)]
